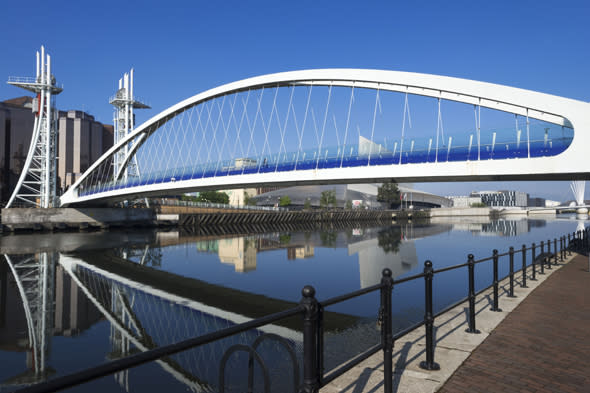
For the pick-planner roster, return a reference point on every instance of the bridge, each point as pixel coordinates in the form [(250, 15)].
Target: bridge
[(330, 126)]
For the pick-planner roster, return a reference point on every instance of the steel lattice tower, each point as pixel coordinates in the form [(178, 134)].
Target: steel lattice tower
[(124, 103), (36, 186)]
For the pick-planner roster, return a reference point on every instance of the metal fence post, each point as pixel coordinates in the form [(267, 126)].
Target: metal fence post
[(541, 264), (561, 248), (523, 283), (495, 305), (429, 364), (311, 377), (549, 252), (511, 252), (386, 330), (555, 250), (533, 248), (471, 295), (569, 244)]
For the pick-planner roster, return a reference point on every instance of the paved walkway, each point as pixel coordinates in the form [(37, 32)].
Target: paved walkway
[(543, 346)]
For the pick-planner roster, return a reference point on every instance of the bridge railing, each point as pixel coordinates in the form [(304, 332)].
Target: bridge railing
[(411, 150), (312, 313)]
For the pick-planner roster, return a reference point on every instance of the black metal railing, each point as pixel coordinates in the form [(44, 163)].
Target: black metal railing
[(312, 312)]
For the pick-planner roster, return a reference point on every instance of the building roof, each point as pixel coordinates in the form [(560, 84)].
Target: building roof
[(19, 101)]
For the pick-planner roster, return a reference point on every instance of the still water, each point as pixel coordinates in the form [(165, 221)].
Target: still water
[(76, 300)]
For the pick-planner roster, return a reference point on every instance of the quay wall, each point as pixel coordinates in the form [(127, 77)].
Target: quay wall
[(84, 218), (262, 217), (460, 211), (63, 218)]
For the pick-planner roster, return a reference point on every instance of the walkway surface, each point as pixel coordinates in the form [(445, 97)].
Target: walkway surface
[(542, 346), (539, 343)]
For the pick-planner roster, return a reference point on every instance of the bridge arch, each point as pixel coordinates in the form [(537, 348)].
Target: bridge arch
[(241, 113)]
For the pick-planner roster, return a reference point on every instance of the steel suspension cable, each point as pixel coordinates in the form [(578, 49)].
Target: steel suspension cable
[(303, 126), (373, 126), (324, 125), (347, 123), (285, 127)]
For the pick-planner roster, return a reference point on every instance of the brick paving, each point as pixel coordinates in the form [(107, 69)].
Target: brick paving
[(542, 346)]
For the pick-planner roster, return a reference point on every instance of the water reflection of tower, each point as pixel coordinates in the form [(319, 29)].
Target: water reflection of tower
[(38, 300), (34, 277), (373, 259), (120, 344), (238, 251)]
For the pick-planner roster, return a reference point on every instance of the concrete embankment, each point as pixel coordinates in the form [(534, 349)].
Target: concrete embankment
[(69, 218), (460, 212), (87, 218), (488, 212)]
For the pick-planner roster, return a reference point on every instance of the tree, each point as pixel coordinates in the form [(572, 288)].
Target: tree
[(389, 193), (284, 201), (328, 238), (328, 198), (348, 205), (190, 198), (307, 204), (389, 239), (249, 200), (213, 197)]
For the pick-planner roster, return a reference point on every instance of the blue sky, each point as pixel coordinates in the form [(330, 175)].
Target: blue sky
[(180, 48)]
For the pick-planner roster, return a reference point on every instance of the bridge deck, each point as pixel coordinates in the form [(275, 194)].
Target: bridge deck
[(541, 347)]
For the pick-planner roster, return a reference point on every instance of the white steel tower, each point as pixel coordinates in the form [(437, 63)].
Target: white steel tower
[(124, 120), (37, 181), (579, 188)]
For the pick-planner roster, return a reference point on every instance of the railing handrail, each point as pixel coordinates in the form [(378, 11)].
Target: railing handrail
[(310, 308)]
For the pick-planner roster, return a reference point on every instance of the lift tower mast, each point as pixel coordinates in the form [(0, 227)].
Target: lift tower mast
[(124, 103), (36, 186)]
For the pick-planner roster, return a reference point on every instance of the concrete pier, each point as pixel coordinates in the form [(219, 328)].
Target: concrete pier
[(64, 218)]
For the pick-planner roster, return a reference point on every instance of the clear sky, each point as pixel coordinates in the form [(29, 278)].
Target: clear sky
[(180, 48)]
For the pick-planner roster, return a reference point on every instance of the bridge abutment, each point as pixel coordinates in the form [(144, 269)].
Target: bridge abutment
[(61, 218)]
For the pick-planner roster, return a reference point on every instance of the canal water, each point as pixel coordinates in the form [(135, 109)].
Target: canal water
[(75, 300)]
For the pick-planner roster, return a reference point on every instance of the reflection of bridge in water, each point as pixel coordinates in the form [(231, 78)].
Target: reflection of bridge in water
[(146, 308), (141, 316), (146, 317)]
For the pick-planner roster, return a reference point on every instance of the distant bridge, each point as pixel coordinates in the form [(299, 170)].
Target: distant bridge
[(331, 126)]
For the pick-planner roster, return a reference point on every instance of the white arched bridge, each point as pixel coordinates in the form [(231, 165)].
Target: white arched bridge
[(343, 126)]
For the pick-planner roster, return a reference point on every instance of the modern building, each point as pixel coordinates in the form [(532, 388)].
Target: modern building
[(16, 128), (364, 195), (536, 202), (465, 201), (81, 140), (502, 198)]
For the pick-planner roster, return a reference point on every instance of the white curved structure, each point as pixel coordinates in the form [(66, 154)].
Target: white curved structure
[(568, 163), (36, 186)]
